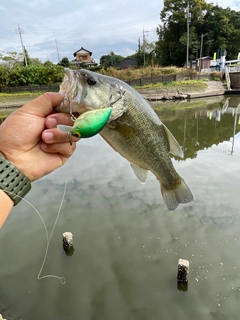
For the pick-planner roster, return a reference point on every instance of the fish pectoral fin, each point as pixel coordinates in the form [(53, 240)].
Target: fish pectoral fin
[(140, 173), (125, 129), (174, 146)]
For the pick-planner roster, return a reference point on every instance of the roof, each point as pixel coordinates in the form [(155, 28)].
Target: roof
[(203, 58), (128, 59), (82, 49)]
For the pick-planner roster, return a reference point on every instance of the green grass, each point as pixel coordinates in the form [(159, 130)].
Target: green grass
[(183, 85), (21, 94)]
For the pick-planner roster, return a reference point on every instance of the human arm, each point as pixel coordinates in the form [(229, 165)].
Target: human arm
[(6, 206), (30, 140)]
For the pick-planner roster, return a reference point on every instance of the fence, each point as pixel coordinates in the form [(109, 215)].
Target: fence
[(44, 88), (143, 81)]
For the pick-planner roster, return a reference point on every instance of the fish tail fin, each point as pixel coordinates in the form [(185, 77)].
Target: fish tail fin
[(174, 196)]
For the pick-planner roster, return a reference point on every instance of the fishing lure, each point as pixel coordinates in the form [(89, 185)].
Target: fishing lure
[(87, 124)]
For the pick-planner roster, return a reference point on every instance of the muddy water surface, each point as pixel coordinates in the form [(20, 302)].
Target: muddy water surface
[(126, 243)]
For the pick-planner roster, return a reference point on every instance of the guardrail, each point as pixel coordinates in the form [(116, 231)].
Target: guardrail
[(143, 81)]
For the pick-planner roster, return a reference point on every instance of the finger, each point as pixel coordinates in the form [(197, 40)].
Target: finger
[(51, 136), (43, 105), (58, 118), (64, 149)]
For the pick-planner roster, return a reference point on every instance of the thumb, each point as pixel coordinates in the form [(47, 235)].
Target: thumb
[(43, 105)]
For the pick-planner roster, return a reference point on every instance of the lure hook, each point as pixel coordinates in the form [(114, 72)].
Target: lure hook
[(121, 92), (73, 118)]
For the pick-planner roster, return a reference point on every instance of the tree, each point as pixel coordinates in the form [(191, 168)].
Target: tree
[(4, 75), (36, 62), (27, 61), (48, 63), (64, 62), (221, 27), (110, 59), (145, 55), (11, 59), (172, 33)]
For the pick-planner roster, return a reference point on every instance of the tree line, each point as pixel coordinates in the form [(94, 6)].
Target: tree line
[(211, 29)]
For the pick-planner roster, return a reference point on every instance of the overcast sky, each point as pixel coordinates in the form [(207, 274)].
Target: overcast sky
[(98, 26)]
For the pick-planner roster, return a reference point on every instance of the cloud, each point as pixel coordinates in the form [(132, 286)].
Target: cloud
[(98, 26)]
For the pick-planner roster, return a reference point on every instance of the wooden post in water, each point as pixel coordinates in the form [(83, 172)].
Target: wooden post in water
[(67, 240), (182, 275)]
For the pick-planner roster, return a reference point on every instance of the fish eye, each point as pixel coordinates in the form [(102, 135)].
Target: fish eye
[(91, 81)]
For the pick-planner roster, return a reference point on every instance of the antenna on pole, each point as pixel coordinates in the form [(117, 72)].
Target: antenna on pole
[(20, 31), (57, 50)]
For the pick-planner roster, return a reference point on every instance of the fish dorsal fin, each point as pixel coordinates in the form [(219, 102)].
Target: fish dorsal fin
[(140, 173), (174, 146)]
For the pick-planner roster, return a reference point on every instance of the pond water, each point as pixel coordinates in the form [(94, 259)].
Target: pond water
[(126, 243)]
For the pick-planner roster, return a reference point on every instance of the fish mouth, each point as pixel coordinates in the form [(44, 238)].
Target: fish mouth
[(72, 90)]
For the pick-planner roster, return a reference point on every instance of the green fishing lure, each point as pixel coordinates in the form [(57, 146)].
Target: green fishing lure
[(88, 124)]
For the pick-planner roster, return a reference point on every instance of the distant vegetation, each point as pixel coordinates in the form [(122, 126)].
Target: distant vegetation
[(31, 75), (13, 72)]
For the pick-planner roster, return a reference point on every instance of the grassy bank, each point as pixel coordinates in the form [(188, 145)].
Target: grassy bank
[(17, 99), (183, 86)]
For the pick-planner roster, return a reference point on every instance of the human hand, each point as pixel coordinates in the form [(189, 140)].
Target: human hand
[(30, 140)]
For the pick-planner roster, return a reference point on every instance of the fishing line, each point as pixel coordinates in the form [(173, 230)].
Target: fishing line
[(48, 237)]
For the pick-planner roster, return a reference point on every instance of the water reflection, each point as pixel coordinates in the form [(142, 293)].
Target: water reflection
[(201, 128), (126, 243)]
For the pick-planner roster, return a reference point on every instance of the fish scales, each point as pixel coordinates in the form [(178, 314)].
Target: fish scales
[(134, 130), (145, 146)]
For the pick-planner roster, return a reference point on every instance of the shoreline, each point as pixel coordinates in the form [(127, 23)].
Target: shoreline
[(214, 88)]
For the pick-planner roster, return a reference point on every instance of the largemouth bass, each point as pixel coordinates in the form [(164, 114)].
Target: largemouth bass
[(134, 130)]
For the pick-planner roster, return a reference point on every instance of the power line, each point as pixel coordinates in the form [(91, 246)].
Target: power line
[(78, 30)]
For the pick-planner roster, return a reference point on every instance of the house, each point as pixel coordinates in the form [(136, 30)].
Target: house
[(83, 57), (203, 63), (126, 63)]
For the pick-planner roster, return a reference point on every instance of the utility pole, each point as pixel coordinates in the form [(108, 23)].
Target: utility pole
[(201, 49), (200, 60), (144, 44), (57, 50), (188, 16), (20, 31)]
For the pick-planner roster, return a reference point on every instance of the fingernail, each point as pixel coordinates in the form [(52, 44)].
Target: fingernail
[(52, 122), (48, 136)]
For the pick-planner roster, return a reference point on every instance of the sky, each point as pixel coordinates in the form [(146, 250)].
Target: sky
[(56, 29)]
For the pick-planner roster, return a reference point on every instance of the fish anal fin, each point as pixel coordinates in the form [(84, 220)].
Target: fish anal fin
[(179, 193), (174, 146), (140, 173)]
